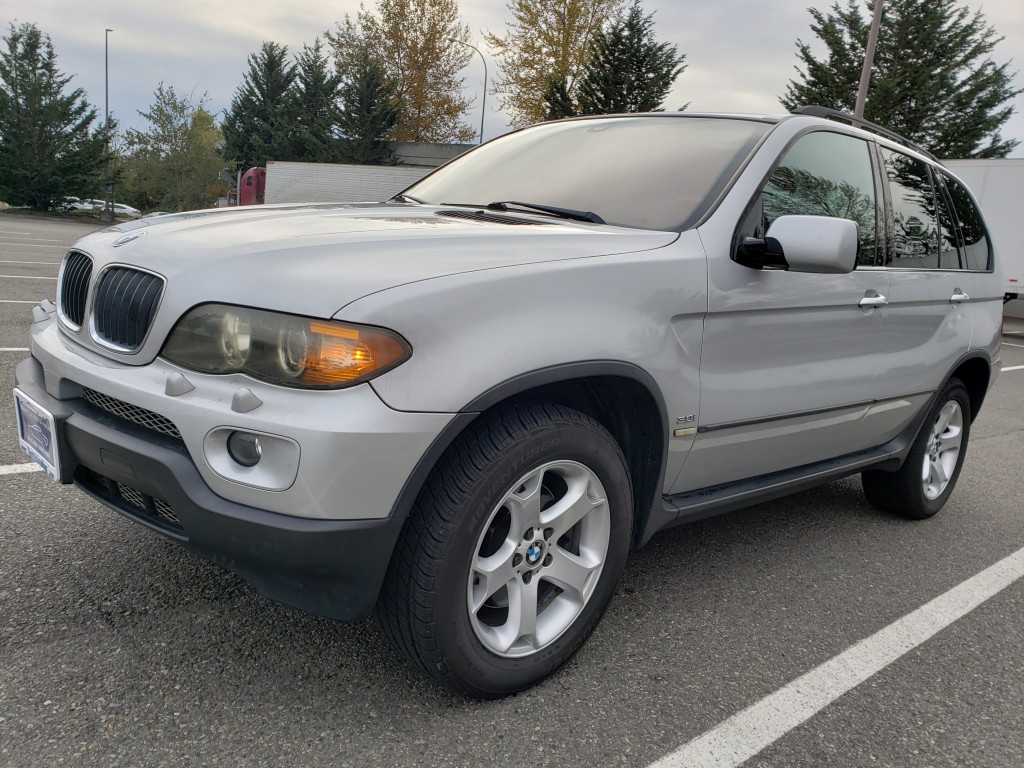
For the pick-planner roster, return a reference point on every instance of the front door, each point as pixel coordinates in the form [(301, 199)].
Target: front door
[(789, 368)]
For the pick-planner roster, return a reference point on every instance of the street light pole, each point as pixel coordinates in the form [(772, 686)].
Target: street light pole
[(483, 102), (107, 214), (869, 59)]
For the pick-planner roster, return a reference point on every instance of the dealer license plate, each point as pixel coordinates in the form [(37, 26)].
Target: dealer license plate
[(37, 433)]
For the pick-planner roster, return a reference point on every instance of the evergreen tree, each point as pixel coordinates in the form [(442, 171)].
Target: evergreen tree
[(174, 163), (557, 100), (48, 148), (258, 125), (933, 79), (369, 112), (628, 70), (315, 106)]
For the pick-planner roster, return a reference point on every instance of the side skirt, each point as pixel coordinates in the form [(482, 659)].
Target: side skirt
[(691, 506)]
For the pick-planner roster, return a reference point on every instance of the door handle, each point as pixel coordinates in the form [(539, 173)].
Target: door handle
[(958, 297), (873, 300)]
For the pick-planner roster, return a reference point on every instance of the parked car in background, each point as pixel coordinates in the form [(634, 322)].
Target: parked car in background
[(463, 408), (120, 209)]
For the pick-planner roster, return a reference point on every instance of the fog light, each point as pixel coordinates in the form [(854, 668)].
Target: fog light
[(245, 448)]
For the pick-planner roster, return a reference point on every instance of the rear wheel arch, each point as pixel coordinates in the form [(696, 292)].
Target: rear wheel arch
[(975, 373)]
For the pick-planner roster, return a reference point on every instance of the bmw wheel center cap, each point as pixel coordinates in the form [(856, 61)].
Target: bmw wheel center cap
[(535, 553)]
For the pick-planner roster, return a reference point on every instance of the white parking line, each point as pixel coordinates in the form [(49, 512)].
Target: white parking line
[(9, 232), (17, 301), (1008, 344), (1014, 368), (27, 277), (745, 734), (14, 349), (17, 469), (49, 263)]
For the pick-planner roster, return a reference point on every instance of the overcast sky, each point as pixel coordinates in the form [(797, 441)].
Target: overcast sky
[(739, 53)]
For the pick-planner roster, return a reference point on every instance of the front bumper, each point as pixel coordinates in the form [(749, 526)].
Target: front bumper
[(332, 568)]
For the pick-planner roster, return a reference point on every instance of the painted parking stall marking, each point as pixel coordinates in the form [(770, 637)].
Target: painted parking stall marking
[(17, 469), (745, 734)]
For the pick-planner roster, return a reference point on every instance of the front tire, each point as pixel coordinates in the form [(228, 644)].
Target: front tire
[(922, 485), (512, 551)]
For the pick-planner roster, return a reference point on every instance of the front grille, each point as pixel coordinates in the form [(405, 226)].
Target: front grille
[(132, 413), (124, 306), (131, 501), (488, 217), (74, 286)]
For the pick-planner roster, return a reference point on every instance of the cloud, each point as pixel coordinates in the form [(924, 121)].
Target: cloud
[(740, 53)]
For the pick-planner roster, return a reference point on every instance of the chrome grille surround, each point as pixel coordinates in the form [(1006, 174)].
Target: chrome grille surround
[(73, 288), (124, 304), (132, 413)]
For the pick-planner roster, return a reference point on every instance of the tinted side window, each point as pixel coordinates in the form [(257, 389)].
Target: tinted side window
[(923, 231), (972, 228), (825, 174)]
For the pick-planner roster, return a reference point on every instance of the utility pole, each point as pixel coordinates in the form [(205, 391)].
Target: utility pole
[(483, 102), (869, 59), (107, 214)]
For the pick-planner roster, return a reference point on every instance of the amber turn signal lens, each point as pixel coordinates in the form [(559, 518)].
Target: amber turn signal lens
[(340, 354)]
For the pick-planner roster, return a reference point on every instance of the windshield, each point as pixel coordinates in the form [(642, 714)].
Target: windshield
[(646, 172)]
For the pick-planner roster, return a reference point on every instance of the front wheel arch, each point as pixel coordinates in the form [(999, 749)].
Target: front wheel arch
[(621, 396)]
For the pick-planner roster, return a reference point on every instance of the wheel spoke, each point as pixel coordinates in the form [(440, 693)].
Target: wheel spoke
[(947, 413), (524, 502), (951, 439), (569, 571), (573, 507), (522, 615), (491, 574), (939, 473)]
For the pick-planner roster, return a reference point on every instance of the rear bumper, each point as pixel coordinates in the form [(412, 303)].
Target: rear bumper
[(332, 568)]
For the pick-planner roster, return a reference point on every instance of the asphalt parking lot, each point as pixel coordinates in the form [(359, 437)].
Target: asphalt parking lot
[(118, 648)]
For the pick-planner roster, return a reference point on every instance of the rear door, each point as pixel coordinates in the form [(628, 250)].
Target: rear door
[(938, 270)]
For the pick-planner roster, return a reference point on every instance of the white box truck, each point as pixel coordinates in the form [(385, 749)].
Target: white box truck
[(998, 184), (289, 182)]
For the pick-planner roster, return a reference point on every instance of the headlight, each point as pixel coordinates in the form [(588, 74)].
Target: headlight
[(283, 349)]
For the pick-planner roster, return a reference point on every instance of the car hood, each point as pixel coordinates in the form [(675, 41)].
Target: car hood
[(315, 259)]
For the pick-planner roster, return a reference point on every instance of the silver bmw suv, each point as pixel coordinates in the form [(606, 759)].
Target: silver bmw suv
[(462, 408)]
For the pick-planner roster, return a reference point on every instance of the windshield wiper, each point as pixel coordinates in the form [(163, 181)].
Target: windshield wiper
[(564, 213), (403, 198)]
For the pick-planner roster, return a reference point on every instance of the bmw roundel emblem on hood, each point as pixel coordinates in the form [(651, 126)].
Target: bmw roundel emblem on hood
[(128, 238)]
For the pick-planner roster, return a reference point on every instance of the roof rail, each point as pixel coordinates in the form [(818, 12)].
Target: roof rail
[(860, 122)]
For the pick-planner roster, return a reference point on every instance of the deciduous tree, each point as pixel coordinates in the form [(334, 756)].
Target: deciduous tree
[(934, 79), (412, 41), (628, 70), (174, 163), (544, 40), (48, 145)]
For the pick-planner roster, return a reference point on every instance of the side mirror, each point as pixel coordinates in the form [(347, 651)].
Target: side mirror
[(819, 244)]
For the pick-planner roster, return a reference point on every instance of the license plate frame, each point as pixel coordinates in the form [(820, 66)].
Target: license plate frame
[(37, 433)]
